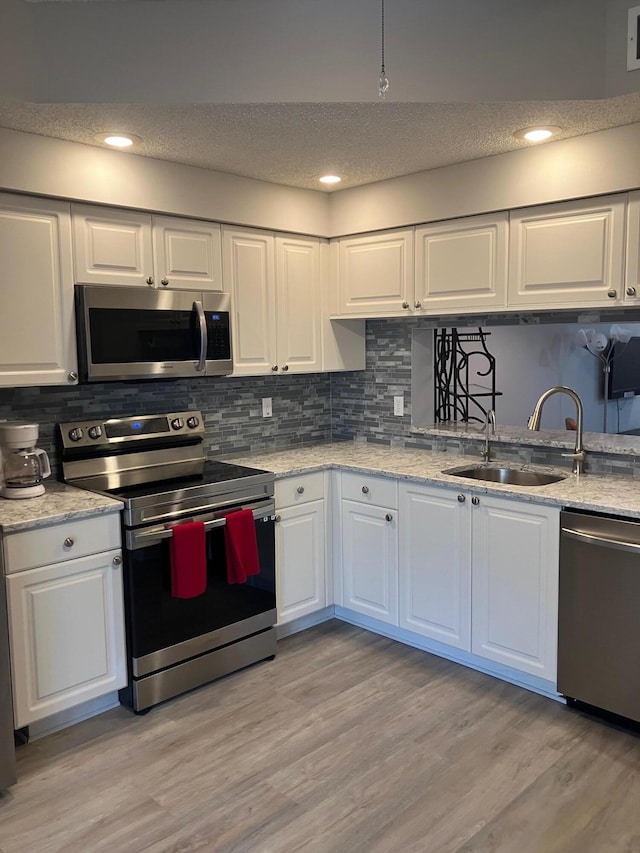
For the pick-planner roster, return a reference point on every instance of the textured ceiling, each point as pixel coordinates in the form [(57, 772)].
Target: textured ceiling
[(293, 144)]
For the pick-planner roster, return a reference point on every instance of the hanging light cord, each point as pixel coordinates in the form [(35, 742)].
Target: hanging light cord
[(383, 82)]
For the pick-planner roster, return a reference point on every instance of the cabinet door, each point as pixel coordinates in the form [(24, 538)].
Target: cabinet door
[(375, 274), (300, 560), (632, 275), (298, 305), (187, 254), (249, 271), (370, 560), (568, 254), (112, 246), (66, 633), (515, 584), (462, 264), (37, 340), (435, 564)]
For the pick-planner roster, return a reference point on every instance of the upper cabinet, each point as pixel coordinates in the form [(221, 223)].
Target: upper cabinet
[(131, 248), (37, 342), (567, 255), (461, 264), (375, 273), (632, 276), (281, 319)]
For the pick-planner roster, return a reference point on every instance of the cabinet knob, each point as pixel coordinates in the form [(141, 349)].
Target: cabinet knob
[(117, 560), (612, 294), (300, 490), (277, 518), (274, 367), (150, 280), (475, 501), (365, 490), (285, 368), (69, 542), (631, 291), (461, 499), (389, 517), (405, 304), (164, 282), (418, 304), (72, 376)]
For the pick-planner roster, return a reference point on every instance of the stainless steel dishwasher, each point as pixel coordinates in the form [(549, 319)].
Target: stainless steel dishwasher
[(599, 613)]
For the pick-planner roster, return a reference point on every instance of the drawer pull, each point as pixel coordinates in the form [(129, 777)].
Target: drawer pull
[(365, 490), (117, 560), (277, 519), (300, 490), (389, 517), (69, 542)]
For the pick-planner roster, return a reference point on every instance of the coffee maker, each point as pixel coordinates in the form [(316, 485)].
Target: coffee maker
[(23, 465)]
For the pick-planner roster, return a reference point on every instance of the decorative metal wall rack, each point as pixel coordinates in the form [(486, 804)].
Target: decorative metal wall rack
[(459, 357)]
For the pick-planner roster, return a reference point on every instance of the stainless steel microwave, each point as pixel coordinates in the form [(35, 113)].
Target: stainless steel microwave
[(132, 333)]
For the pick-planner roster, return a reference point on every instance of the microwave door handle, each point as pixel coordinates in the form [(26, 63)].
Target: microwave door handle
[(200, 366)]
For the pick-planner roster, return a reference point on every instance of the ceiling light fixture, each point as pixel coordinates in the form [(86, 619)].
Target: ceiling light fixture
[(537, 134), (118, 140), (383, 80), (330, 179)]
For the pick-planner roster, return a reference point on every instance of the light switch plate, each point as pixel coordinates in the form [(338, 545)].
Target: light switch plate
[(398, 405), (267, 411)]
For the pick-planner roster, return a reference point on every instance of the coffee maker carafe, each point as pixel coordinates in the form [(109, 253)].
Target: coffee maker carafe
[(24, 466)]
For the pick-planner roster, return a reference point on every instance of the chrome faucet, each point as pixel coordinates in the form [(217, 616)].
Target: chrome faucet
[(490, 424), (578, 454)]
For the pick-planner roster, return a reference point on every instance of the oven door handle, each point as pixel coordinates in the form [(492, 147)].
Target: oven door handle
[(135, 539), (200, 366)]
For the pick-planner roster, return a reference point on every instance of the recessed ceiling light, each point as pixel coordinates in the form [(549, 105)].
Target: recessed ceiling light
[(537, 134), (330, 179), (118, 140)]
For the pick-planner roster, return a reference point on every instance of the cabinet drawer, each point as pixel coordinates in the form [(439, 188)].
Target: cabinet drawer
[(364, 488), (299, 489), (52, 544)]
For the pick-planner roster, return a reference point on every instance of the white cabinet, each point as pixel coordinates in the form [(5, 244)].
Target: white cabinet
[(632, 272), (66, 621), (515, 548), (369, 546), (461, 264), (37, 340), (301, 580), (567, 255), (281, 320), (375, 273), (435, 564), (132, 248)]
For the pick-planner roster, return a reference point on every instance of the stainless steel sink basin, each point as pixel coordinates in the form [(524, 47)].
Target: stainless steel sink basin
[(506, 475)]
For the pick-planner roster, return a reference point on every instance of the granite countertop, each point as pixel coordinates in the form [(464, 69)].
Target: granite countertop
[(59, 503), (616, 494)]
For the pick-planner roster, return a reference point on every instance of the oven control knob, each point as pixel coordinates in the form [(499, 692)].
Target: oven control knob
[(76, 434), (95, 431), (177, 423), (192, 422)]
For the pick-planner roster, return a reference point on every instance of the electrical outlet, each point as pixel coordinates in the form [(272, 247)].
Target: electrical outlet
[(398, 405), (267, 411)]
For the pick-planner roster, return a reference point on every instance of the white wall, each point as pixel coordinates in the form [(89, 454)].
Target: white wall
[(53, 167), (594, 164), (192, 51)]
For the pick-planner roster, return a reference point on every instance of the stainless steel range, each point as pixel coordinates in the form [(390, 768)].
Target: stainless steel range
[(155, 464)]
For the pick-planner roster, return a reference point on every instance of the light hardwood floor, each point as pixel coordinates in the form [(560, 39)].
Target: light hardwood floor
[(346, 743)]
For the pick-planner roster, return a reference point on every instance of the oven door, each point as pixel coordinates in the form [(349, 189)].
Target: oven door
[(162, 630), (131, 333)]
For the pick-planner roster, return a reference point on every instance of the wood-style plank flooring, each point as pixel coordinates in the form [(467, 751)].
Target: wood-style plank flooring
[(346, 743)]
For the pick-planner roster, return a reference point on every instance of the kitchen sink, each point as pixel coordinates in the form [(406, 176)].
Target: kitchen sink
[(506, 475)]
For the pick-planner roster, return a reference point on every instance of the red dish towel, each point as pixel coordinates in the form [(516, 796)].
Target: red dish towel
[(188, 560), (241, 546)]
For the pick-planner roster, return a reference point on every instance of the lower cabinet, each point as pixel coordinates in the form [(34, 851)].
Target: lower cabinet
[(66, 625), (369, 546), (480, 573), (301, 578)]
